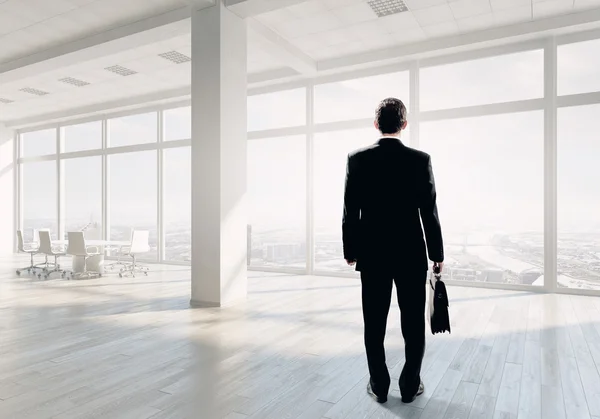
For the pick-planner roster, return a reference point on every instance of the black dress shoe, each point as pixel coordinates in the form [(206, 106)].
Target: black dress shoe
[(378, 399), (419, 392)]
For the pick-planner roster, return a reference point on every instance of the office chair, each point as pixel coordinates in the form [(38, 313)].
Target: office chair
[(139, 244), (47, 249), (121, 251), (31, 249), (77, 248)]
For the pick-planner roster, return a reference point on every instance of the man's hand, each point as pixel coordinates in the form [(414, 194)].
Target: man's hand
[(351, 262), (438, 267)]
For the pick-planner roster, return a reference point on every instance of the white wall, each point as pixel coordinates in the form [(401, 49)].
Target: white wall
[(7, 196)]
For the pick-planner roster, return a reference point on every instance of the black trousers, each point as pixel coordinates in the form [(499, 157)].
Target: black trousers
[(376, 299)]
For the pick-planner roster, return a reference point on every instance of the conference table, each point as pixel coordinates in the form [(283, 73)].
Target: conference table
[(94, 263)]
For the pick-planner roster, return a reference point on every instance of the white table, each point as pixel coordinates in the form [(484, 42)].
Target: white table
[(94, 263)]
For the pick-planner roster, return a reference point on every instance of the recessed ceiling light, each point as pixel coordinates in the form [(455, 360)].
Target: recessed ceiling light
[(74, 82), (120, 70), (175, 56), (387, 7), (32, 91), (5, 101)]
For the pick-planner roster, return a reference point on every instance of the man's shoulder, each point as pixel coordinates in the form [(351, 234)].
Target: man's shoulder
[(373, 148)]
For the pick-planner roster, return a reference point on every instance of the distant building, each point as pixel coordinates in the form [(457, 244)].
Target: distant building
[(530, 276), (494, 275), (283, 252)]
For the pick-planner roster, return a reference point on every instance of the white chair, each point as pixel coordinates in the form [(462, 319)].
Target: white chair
[(48, 249), (31, 249), (77, 248), (139, 245), (121, 251)]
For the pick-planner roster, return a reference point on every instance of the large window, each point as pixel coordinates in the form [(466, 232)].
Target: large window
[(497, 79), (133, 196), (578, 68), (134, 129), (82, 137), (578, 198), (282, 109), (277, 201), (82, 194), (177, 204), (490, 179), (39, 198), (178, 124), (358, 98), (38, 143)]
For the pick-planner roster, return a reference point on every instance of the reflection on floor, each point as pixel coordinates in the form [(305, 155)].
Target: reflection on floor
[(132, 348)]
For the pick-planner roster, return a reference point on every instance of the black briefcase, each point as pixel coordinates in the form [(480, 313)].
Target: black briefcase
[(439, 317)]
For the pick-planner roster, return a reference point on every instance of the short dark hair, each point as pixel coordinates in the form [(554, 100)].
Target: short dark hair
[(390, 115)]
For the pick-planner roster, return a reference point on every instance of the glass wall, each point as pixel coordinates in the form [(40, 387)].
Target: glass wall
[(38, 199), (277, 201), (82, 195), (62, 189), (81, 137), (133, 200), (489, 164), (490, 185), (177, 204), (578, 198)]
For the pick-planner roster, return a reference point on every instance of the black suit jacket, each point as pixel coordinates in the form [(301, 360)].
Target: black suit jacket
[(390, 189)]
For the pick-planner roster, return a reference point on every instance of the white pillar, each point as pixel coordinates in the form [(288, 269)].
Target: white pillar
[(219, 138), (7, 190)]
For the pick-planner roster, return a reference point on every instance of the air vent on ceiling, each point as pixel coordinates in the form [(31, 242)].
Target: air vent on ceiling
[(74, 82), (120, 70), (387, 7), (5, 101), (175, 56), (32, 91)]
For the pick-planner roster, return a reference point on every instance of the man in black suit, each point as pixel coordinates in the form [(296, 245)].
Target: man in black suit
[(389, 191)]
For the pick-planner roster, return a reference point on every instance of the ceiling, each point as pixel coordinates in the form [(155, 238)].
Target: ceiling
[(311, 32)]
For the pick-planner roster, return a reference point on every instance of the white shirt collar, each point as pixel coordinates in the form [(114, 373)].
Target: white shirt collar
[(397, 137)]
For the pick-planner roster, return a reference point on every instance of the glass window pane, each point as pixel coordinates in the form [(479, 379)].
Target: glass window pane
[(178, 124), (131, 130), (178, 203), (133, 196), (498, 79), (38, 143), (578, 198), (490, 185), (578, 68), (277, 201), (82, 195), (283, 109), (330, 156), (82, 137), (39, 198), (358, 98)]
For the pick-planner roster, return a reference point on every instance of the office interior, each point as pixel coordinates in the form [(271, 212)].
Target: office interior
[(171, 182)]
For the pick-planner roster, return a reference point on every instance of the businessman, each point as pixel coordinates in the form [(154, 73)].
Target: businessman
[(389, 191)]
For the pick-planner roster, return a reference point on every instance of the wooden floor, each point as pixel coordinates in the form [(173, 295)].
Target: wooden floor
[(132, 348)]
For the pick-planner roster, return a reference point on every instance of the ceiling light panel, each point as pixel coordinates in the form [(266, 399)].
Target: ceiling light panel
[(120, 70), (387, 7), (5, 101), (175, 56), (32, 91), (74, 82)]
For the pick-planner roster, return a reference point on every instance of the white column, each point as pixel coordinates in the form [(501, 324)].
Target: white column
[(219, 134), (7, 190)]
